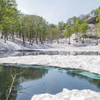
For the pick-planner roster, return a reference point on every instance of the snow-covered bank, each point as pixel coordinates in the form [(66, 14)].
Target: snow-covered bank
[(88, 63), (69, 95), (89, 45)]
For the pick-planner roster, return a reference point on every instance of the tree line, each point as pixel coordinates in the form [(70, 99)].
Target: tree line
[(80, 29), (79, 26), (36, 29), (32, 28), (71, 21)]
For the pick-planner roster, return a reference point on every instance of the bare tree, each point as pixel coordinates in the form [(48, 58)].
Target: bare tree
[(13, 77)]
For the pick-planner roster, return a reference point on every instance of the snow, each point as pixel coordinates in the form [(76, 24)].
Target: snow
[(88, 63), (69, 95), (18, 45), (62, 46)]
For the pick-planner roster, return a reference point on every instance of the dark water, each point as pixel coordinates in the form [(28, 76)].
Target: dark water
[(41, 79), (37, 52)]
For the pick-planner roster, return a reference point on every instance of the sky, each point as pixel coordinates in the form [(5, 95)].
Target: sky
[(55, 11)]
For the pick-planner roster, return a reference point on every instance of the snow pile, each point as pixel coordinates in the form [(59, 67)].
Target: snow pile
[(88, 63), (69, 95)]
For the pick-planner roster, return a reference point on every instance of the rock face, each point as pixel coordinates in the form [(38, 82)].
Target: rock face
[(91, 20), (69, 95)]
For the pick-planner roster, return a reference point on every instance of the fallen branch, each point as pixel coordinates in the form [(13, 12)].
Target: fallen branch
[(13, 77)]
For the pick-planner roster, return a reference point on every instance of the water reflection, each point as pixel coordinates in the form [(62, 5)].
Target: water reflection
[(27, 53), (38, 79), (28, 75), (91, 80)]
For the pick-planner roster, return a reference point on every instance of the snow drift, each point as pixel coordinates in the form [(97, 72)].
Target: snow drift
[(69, 95)]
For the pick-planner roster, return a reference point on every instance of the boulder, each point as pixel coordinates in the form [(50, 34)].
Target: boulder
[(92, 20)]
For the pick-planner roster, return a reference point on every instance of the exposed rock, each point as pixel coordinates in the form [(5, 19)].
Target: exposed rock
[(93, 36), (91, 20)]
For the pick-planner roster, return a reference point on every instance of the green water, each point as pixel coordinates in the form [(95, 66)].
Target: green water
[(38, 79)]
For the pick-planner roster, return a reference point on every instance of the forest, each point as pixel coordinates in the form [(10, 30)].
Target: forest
[(36, 29)]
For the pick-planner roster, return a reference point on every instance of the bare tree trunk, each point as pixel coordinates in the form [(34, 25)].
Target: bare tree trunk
[(30, 38), (77, 38), (30, 42), (19, 32), (37, 37), (42, 41), (51, 40), (40, 38), (69, 41), (2, 33), (97, 42), (23, 39), (5, 36), (13, 34), (23, 36), (13, 77)]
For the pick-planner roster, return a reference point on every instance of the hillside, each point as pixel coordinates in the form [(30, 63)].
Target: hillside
[(90, 44)]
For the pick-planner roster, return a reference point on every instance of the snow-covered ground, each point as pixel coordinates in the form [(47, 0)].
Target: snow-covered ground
[(88, 63), (69, 95), (89, 45)]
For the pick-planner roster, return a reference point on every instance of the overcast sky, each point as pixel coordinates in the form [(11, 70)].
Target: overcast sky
[(57, 10)]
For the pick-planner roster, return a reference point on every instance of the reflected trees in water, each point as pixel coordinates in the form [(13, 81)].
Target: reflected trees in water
[(96, 82), (6, 80)]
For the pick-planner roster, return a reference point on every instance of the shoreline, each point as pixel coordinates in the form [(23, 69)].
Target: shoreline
[(87, 63)]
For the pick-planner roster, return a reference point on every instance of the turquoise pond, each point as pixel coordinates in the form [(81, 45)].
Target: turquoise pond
[(38, 79)]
